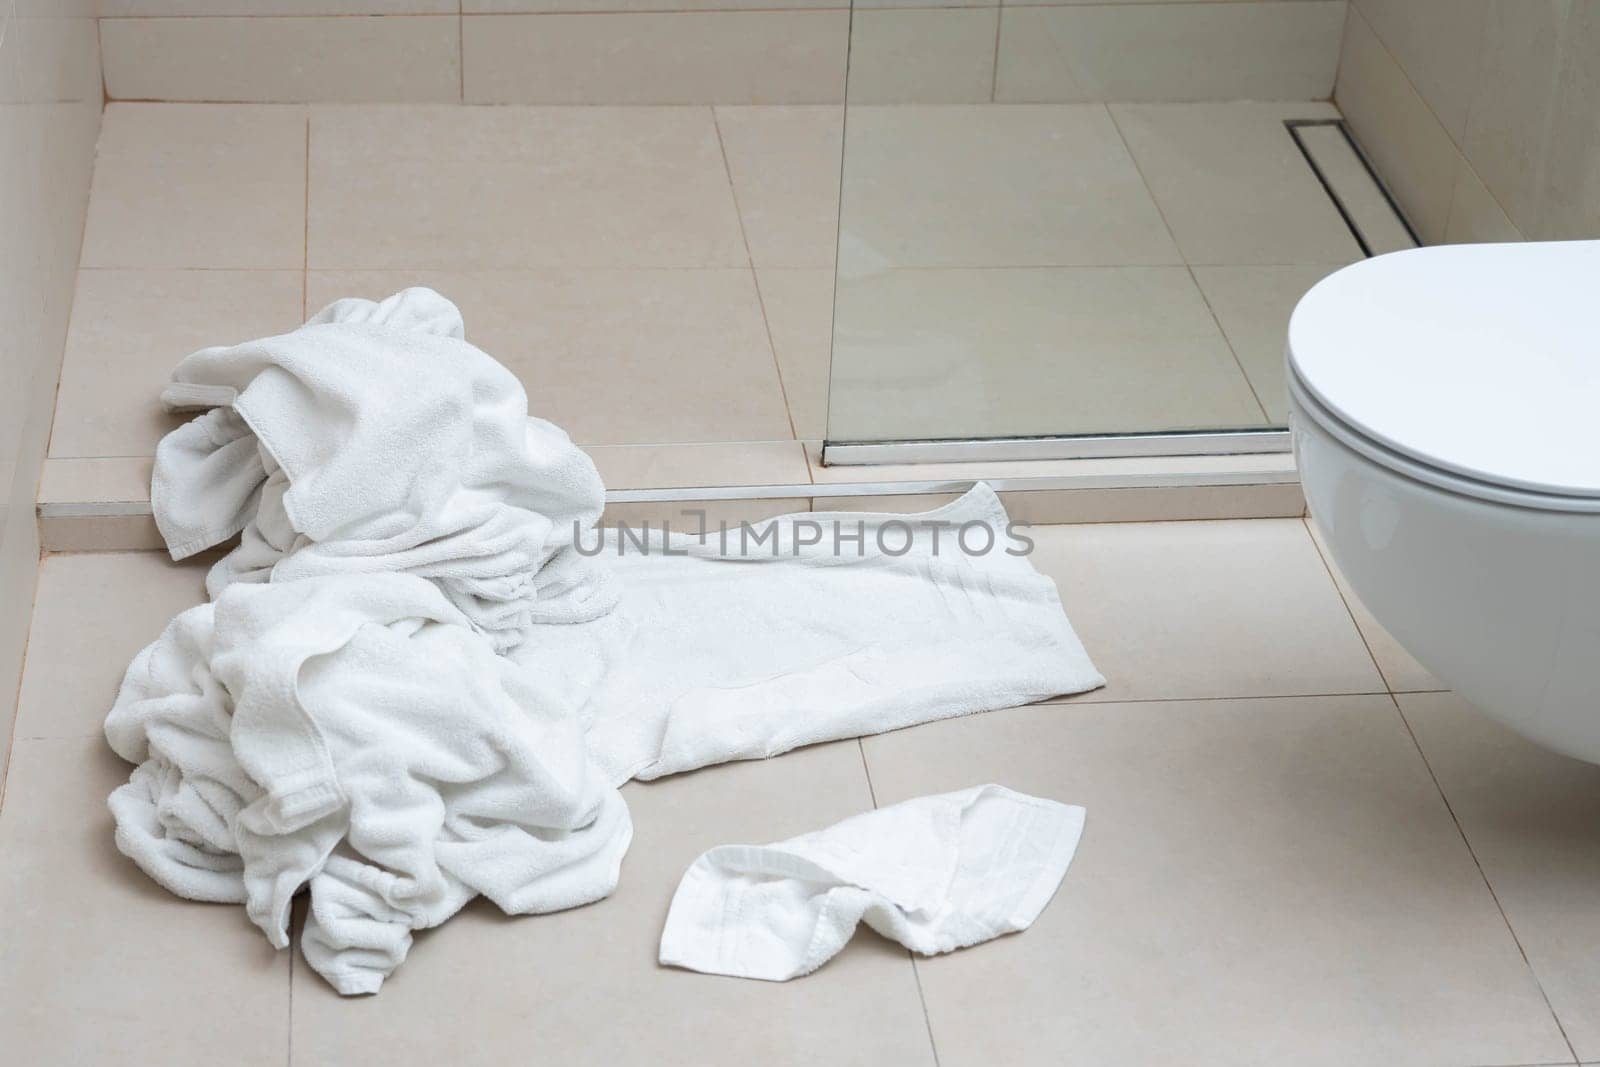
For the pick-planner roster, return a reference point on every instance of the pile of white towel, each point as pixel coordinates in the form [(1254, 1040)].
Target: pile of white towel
[(414, 683)]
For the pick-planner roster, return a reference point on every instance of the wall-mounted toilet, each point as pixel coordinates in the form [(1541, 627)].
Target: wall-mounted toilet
[(1445, 408)]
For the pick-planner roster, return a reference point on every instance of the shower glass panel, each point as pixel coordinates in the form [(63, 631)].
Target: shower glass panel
[(1036, 242)]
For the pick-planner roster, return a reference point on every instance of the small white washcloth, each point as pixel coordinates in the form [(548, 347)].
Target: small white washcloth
[(935, 874)]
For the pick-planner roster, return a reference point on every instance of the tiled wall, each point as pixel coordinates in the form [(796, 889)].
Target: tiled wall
[(718, 51), (1482, 115), (49, 115)]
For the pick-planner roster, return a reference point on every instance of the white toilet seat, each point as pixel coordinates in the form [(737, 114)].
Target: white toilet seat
[(1472, 368), (1307, 406)]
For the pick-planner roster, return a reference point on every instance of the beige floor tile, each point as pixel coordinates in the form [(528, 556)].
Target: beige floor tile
[(686, 466), (799, 307), (1533, 820), (1401, 670), (198, 185), (957, 353), (784, 162), (615, 357), (583, 986), (92, 613), (1259, 882), (1206, 609), (1253, 305), (993, 185), (483, 188), (1156, 51), (131, 327), (679, 57), (98, 963), (1232, 185), (700, 517), (388, 58)]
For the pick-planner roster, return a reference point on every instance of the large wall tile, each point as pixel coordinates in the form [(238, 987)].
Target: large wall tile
[(544, 7), (50, 102), (1571, 205), (1226, 51), (943, 56), (283, 59), (1408, 146), (702, 57), (1475, 215), (110, 8), (1437, 43), (1508, 131)]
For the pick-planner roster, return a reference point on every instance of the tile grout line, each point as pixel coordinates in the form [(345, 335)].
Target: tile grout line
[(1484, 875), (305, 232), (1316, 546), (1067, 703), (288, 1036), (1232, 351), (916, 974), (866, 769), (994, 62), (1187, 266), (755, 279)]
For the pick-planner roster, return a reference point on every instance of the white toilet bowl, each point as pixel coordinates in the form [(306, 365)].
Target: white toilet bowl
[(1445, 409)]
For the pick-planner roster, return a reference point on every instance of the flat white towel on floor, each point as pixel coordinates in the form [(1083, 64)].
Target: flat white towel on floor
[(420, 680), (728, 650), (935, 874), (353, 734)]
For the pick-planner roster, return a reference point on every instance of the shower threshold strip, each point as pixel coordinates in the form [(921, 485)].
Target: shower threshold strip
[(1085, 446)]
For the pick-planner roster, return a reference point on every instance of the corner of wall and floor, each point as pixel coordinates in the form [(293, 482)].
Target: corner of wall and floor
[(50, 103), (1480, 114)]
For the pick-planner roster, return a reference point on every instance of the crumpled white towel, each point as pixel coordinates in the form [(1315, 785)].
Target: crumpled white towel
[(414, 685), (353, 733), (935, 874), (728, 650), (374, 438)]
